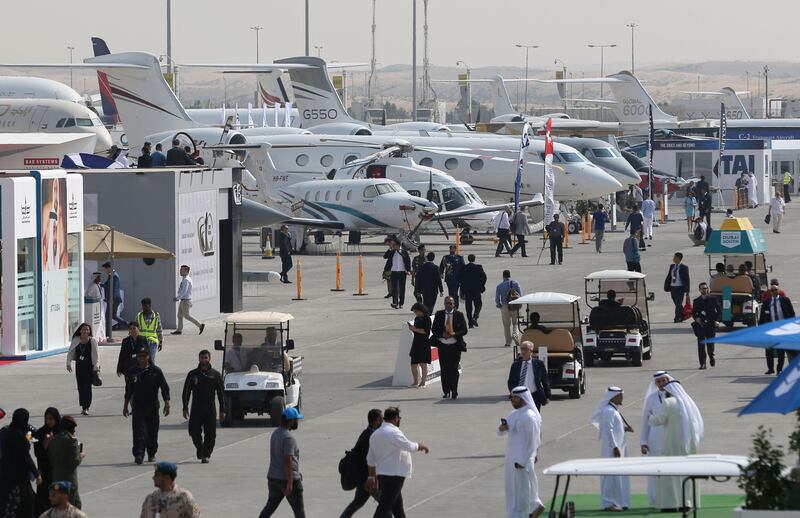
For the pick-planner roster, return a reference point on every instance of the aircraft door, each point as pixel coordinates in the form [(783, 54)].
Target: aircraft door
[(38, 120)]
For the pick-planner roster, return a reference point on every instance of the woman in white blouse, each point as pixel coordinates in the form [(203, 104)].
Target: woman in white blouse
[(83, 351)]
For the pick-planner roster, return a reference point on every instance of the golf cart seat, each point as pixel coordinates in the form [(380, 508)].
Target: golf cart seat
[(604, 318), (741, 285), (559, 342)]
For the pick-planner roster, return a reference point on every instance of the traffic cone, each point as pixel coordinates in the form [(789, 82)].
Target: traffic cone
[(267, 253)]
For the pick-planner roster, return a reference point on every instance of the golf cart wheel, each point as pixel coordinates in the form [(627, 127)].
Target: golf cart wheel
[(750, 321), (229, 413), (589, 360), (649, 354), (583, 382), (276, 407), (728, 325), (575, 391), (636, 357)]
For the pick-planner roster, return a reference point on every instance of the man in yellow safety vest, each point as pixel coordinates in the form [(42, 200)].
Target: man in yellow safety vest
[(787, 180), (150, 327)]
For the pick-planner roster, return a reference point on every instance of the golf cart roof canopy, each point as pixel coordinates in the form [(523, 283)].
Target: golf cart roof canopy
[(615, 275), (546, 297), (258, 317)]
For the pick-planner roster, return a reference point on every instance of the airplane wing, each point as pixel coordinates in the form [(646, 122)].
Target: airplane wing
[(591, 101), (91, 66), (593, 80), (454, 214), (255, 214), (247, 67)]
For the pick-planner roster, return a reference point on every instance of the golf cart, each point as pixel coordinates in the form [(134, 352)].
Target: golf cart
[(259, 376), (560, 314), (735, 243), (621, 327)]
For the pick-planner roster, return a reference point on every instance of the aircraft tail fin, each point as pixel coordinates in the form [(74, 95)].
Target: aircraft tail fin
[(316, 98), (499, 96), (633, 100), (734, 107), (109, 106), (146, 103)]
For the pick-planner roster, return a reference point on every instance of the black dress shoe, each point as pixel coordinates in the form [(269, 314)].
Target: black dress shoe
[(770, 372), (138, 460), (702, 367), (199, 453), (446, 395), (470, 325), (204, 460), (475, 323), (455, 395), (712, 361), (151, 458), (388, 296)]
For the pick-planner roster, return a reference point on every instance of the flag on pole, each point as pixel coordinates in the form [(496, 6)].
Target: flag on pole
[(236, 122), (287, 115), (525, 142), (224, 115), (264, 115), (651, 141), (276, 111), (549, 177), (723, 134), (250, 115)]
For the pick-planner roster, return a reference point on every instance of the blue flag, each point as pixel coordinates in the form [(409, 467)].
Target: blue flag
[(525, 142)]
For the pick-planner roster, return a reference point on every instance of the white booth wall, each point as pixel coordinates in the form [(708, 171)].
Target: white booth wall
[(42, 261)]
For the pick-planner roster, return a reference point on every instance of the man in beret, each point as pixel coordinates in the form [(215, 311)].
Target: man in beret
[(169, 500), (59, 499)]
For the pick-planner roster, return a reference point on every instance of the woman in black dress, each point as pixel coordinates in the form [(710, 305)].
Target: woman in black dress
[(17, 469), (420, 347), (52, 418), (83, 351)]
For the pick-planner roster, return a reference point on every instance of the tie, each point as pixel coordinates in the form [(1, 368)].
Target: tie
[(775, 315), (674, 274), (449, 324), (523, 374)]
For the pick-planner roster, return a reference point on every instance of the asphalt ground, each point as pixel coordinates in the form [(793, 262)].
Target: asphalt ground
[(349, 346)]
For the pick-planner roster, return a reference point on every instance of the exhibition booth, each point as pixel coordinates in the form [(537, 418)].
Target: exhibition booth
[(41, 263)]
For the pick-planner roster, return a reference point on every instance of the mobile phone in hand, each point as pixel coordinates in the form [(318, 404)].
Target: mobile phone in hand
[(503, 421)]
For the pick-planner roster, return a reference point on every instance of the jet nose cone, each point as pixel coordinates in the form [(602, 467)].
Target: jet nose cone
[(103, 142), (599, 183)]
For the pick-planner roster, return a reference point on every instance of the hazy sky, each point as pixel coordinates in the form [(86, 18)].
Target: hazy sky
[(480, 32)]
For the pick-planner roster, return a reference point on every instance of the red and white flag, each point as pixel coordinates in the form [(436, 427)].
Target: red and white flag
[(549, 176)]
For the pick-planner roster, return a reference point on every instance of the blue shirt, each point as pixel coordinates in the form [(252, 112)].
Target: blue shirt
[(501, 292), (600, 217), (159, 159), (648, 208), (635, 221), (631, 249)]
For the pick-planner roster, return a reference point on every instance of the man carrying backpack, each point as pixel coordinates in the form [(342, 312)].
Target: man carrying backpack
[(354, 465)]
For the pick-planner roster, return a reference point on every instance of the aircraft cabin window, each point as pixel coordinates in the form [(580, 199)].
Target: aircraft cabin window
[(316, 196), (327, 195), (301, 160), (350, 158), (426, 162), (414, 192), (571, 157), (349, 195), (60, 123), (434, 196), (84, 122), (338, 193), (453, 198), (370, 191), (603, 152), (384, 188), (307, 196), (451, 163), (69, 123), (326, 161), (476, 164)]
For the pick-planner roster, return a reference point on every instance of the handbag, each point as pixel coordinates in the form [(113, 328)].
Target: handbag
[(346, 471), (97, 381), (687, 309), (768, 218)]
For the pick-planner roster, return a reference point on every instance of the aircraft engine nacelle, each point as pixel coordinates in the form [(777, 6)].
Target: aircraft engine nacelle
[(341, 128)]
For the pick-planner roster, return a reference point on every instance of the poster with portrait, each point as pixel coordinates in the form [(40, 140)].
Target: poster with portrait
[(54, 261), (198, 241)]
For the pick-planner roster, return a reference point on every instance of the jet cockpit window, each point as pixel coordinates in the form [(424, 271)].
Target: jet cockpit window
[(69, 123), (453, 198), (556, 159), (603, 152), (385, 188), (616, 153), (434, 196), (571, 157), (96, 122), (84, 122), (60, 123), (414, 192), (370, 191)]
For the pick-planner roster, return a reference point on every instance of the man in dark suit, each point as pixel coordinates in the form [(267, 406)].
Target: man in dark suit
[(359, 465), (677, 284), (399, 264), (776, 307), (285, 251), (527, 371), (178, 156), (429, 282), (450, 268), (705, 312), (448, 329), (473, 283)]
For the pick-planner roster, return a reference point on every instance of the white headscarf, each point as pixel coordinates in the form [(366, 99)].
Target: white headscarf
[(525, 394), (693, 427), (610, 394), (653, 388)]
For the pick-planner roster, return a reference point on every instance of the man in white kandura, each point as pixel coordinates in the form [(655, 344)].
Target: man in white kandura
[(524, 428), (651, 436), (615, 491), (683, 433)]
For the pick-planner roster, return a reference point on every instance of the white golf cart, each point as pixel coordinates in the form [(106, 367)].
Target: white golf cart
[(259, 375), (620, 327), (560, 314)]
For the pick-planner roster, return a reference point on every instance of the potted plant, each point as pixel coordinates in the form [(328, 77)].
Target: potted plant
[(769, 492)]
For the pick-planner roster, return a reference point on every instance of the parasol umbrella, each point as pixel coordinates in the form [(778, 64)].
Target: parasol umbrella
[(101, 242), (781, 396), (783, 334)]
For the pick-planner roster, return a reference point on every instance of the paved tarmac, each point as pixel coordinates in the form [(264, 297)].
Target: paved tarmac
[(349, 346)]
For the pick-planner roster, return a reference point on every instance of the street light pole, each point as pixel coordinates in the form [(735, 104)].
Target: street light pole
[(527, 48), (602, 70), (564, 72), (256, 28), (169, 44), (633, 26), (307, 47), (469, 92), (70, 49), (413, 60), (766, 91)]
